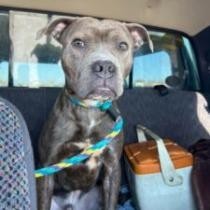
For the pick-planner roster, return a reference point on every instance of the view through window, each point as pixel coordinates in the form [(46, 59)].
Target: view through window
[(171, 64), (4, 49), (26, 61)]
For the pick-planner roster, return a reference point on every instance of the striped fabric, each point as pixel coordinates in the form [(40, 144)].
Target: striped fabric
[(14, 183), (102, 105)]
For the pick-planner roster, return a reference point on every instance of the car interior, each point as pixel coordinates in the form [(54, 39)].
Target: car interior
[(167, 91)]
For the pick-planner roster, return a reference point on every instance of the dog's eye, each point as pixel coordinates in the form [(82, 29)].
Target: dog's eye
[(78, 43), (123, 46)]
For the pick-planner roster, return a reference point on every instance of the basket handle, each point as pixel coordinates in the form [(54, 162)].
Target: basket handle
[(168, 170)]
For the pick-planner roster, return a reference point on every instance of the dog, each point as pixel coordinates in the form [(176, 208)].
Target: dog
[(96, 58)]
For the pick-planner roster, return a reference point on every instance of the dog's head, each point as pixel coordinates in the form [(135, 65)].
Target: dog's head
[(97, 54)]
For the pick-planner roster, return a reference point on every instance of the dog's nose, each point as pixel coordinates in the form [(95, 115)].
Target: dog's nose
[(104, 69)]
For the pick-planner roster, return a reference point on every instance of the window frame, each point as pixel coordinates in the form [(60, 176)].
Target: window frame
[(149, 27)]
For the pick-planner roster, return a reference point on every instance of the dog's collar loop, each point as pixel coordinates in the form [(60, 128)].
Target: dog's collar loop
[(87, 103)]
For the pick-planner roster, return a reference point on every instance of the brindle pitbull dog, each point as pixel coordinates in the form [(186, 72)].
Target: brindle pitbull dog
[(97, 57)]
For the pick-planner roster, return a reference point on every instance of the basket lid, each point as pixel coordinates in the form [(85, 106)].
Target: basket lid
[(143, 157)]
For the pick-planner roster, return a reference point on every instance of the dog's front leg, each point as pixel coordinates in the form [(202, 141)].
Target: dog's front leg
[(111, 185), (45, 186)]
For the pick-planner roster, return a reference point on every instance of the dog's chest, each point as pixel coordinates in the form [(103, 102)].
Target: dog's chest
[(88, 131), (81, 176), (88, 123), (90, 126)]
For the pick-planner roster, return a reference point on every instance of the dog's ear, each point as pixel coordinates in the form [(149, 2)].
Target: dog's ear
[(56, 28), (140, 35)]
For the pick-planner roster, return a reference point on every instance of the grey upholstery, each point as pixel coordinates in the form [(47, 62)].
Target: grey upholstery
[(181, 115), (17, 185)]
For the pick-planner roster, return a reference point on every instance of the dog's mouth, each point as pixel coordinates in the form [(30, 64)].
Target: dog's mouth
[(102, 93)]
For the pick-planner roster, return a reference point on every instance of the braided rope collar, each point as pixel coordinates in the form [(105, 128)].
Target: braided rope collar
[(93, 149), (87, 103)]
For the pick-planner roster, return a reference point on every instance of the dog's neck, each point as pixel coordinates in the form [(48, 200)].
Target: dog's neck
[(100, 103), (88, 117)]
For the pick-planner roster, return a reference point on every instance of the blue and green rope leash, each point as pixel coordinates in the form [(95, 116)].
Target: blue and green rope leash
[(102, 105), (90, 150)]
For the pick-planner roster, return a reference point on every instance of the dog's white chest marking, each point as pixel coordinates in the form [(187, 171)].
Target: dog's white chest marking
[(91, 125), (77, 200)]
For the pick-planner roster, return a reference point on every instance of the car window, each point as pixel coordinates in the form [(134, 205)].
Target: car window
[(4, 49), (26, 61), (151, 69), (172, 63), (35, 62)]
